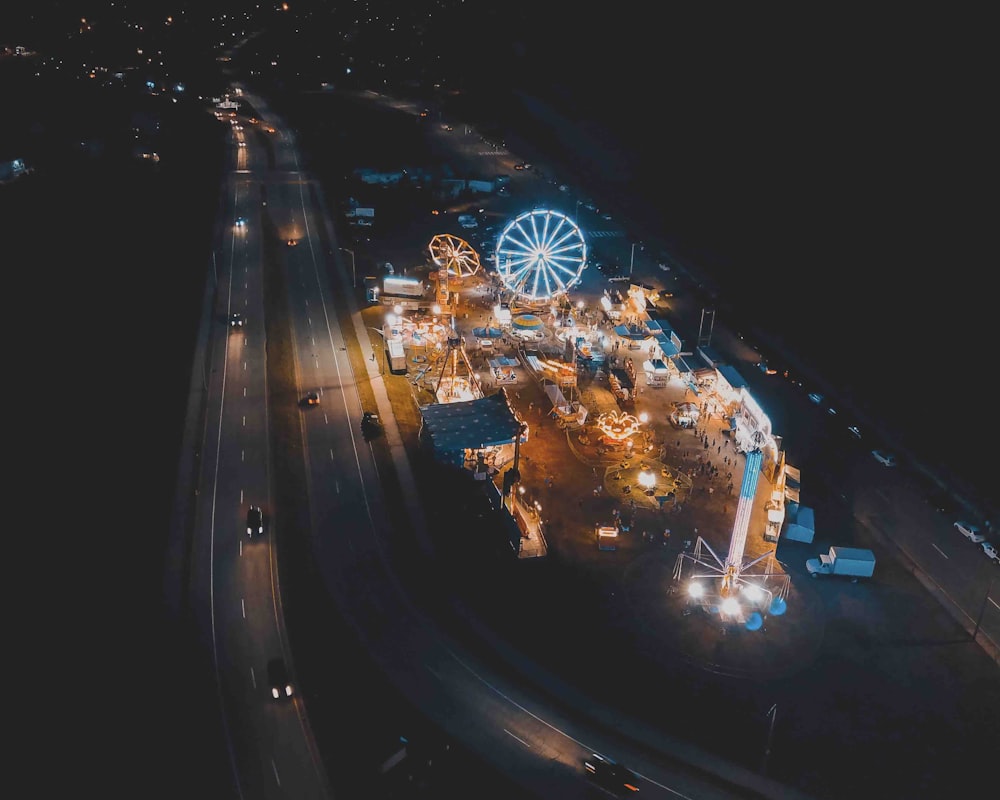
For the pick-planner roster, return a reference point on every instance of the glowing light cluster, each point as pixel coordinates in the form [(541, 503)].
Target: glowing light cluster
[(618, 425), (454, 254), (540, 255)]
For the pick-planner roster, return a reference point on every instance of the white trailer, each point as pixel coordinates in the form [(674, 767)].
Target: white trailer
[(853, 562)]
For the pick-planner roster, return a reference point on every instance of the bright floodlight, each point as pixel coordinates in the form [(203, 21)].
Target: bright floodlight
[(647, 480), (753, 592), (730, 606), (695, 589), (391, 319), (643, 416)]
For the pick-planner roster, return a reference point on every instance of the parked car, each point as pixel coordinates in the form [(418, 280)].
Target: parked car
[(970, 531), (884, 458), (854, 431), (991, 552), (942, 502)]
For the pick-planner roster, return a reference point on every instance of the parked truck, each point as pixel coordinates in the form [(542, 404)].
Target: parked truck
[(853, 562)]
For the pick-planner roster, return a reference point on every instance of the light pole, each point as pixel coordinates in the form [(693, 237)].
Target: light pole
[(982, 608), (772, 712), (631, 260), (354, 272)]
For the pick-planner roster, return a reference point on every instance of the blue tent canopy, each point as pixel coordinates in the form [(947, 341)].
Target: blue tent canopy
[(487, 333), (487, 422), (631, 331)]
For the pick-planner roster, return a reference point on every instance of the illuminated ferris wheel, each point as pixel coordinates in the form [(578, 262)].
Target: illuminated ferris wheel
[(540, 255), (454, 254)]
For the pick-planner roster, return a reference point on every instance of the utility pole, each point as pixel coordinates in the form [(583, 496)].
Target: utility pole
[(772, 712), (982, 609)]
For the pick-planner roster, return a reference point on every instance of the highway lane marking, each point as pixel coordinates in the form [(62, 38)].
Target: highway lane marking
[(548, 724), (517, 737), (883, 495), (436, 674), (243, 607), (994, 603), (274, 769), (939, 550)]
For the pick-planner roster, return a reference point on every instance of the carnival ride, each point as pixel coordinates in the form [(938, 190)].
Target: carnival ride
[(456, 382), (454, 254), (736, 589), (540, 255)]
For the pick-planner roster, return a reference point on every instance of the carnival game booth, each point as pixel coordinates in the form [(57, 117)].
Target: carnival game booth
[(657, 373), (684, 372), (502, 370), (486, 337), (635, 335), (472, 434), (668, 342)]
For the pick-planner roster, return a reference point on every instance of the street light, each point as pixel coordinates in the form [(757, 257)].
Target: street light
[(354, 272)]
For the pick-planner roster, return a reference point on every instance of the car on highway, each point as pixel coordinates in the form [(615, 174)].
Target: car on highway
[(278, 680), (522, 165), (292, 242), (255, 521), (991, 552), (236, 320), (970, 531), (942, 502), (310, 399), (816, 397), (241, 222), (610, 774), (884, 458), (854, 430)]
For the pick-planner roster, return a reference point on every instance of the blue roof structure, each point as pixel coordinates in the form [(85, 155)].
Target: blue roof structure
[(487, 422), (732, 376)]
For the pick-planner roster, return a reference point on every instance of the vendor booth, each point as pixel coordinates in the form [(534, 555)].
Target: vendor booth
[(657, 373), (502, 370)]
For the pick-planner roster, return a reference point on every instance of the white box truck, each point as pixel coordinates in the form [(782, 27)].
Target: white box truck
[(853, 562)]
